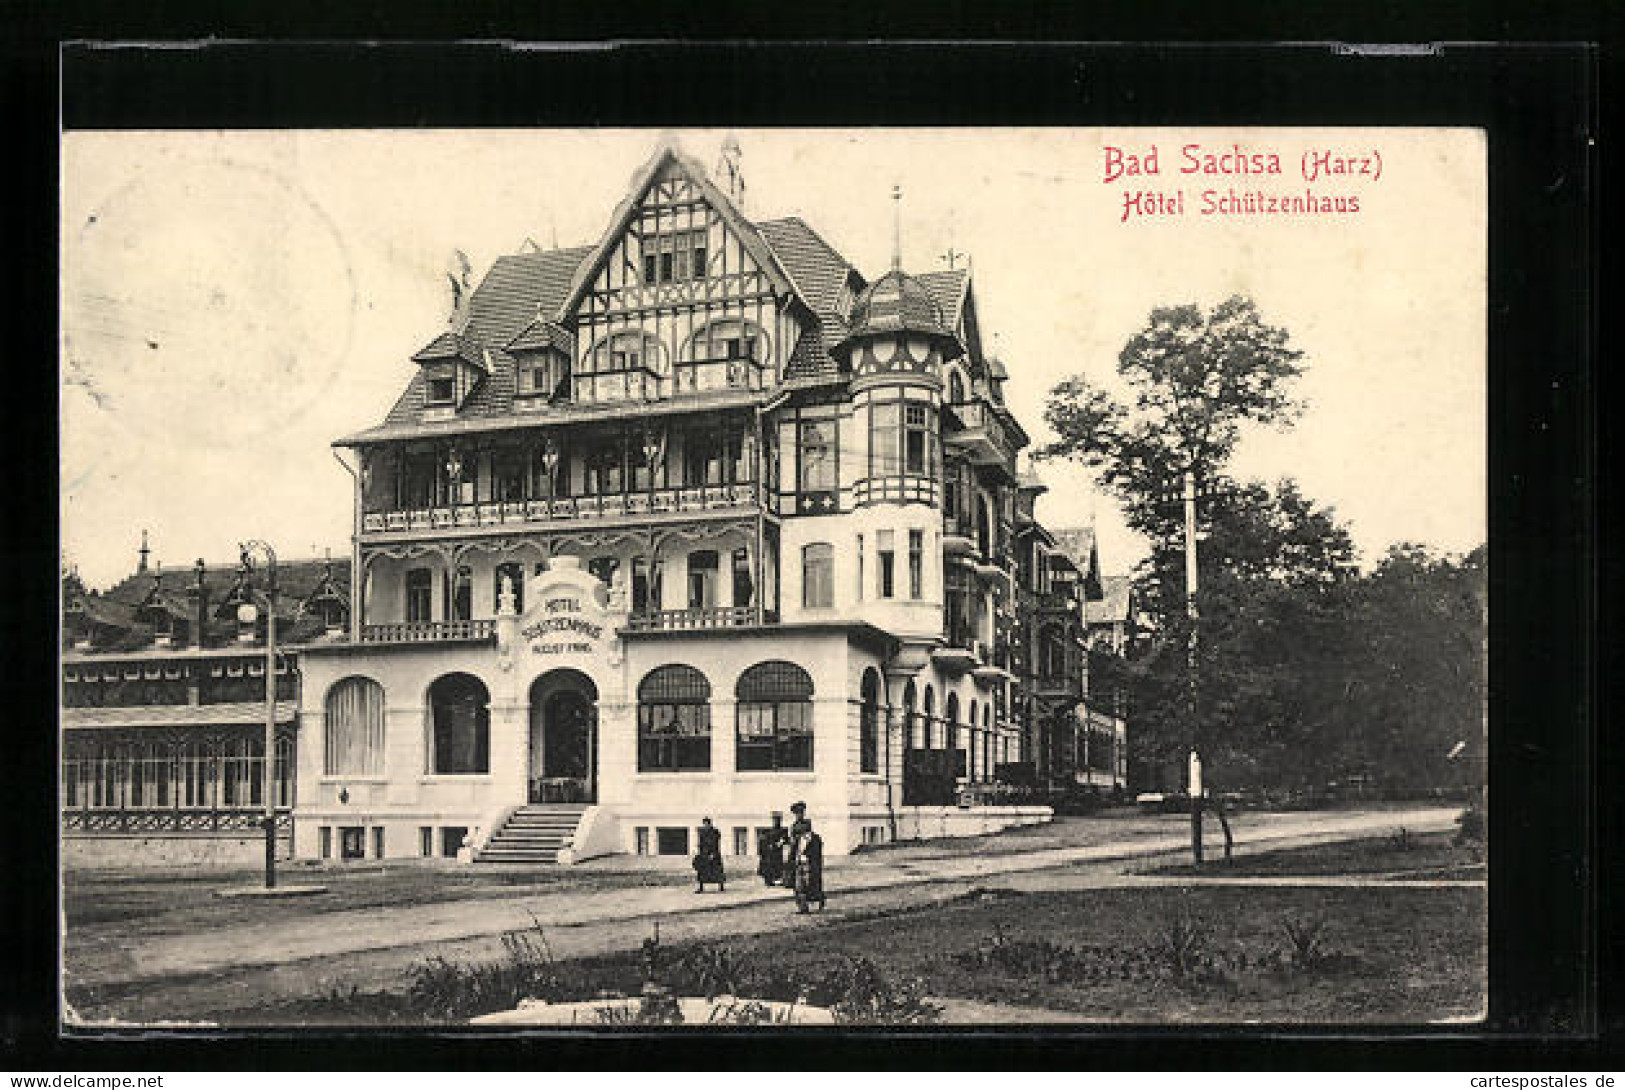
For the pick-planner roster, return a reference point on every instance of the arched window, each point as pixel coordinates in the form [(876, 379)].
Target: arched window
[(984, 529), (460, 719), (956, 387), (952, 741), (869, 723), (774, 718), (728, 339), (353, 738), (630, 350), (930, 715), (972, 742), (674, 720)]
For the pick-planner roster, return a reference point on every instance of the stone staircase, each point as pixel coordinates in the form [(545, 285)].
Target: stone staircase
[(533, 834)]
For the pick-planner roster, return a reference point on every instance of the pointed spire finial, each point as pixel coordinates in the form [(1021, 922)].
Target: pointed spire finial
[(897, 227), (731, 170), (141, 566)]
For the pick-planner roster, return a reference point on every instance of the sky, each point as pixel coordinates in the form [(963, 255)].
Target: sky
[(232, 302)]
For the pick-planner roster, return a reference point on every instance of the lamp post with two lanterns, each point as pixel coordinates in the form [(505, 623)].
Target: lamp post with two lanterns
[(247, 614)]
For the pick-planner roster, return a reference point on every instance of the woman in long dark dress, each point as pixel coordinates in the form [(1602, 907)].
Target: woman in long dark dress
[(770, 852), (809, 867), (708, 860)]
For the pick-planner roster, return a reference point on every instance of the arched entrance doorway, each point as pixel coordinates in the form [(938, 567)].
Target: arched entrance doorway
[(563, 737)]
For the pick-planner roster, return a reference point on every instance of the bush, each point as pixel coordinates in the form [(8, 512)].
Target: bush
[(1470, 827)]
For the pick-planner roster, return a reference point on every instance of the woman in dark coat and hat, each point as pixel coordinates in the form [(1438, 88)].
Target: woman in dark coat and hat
[(770, 844), (807, 872), (708, 860)]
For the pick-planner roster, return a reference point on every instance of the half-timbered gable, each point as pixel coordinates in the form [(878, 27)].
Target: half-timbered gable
[(682, 296)]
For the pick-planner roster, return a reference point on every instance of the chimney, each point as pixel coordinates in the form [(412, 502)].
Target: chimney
[(141, 565), (200, 632)]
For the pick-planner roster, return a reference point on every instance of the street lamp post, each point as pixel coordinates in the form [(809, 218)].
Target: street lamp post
[(246, 612), (1195, 790)]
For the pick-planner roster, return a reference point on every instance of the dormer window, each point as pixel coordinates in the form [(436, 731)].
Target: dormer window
[(441, 389)]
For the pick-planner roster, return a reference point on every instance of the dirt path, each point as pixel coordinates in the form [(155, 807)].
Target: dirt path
[(208, 974)]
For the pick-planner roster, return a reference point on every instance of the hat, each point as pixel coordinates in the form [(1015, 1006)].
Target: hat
[(798, 807)]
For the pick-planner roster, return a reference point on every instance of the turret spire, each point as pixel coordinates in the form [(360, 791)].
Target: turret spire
[(897, 227), (141, 565)]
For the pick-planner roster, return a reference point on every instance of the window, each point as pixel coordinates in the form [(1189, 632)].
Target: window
[(352, 841), (640, 840), (916, 564), (744, 586), (419, 596), (818, 575), (956, 388), (603, 568), (377, 841), (508, 476), (677, 256), (441, 390), (869, 723), (462, 594), (818, 455), (629, 350), (425, 840), (603, 471), (451, 839), (460, 719), (884, 459), (741, 840), (888, 563), (860, 568), (646, 578), (702, 579), (711, 458), (774, 721), (670, 840), (354, 736), (900, 439), (514, 572), (674, 720)]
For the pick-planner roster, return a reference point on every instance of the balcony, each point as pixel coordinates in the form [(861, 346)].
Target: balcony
[(979, 429), (1059, 686), (542, 513), (429, 632), (687, 379), (688, 620)]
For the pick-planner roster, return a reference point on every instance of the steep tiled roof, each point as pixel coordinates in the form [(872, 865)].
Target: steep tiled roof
[(1113, 605), (543, 333), (117, 610), (518, 289), (947, 287), (815, 266), (512, 309)]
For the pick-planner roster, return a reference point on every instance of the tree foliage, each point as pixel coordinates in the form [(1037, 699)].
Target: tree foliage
[(1306, 671)]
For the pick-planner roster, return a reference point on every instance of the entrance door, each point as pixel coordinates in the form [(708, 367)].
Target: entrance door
[(563, 737)]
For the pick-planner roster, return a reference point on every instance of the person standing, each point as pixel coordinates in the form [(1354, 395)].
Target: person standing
[(798, 826), (708, 860), (808, 848), (770, 844)]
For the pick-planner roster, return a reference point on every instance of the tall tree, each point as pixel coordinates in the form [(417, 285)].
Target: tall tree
[(1194, 379)]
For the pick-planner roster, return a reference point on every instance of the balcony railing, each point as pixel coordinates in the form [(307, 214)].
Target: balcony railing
[(686, 378), (680, 620), (428, 631), (656, 501), (980, 430)]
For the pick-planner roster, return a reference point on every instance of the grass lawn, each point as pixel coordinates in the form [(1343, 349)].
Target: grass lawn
[(1391, 956), (1415, 855)]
